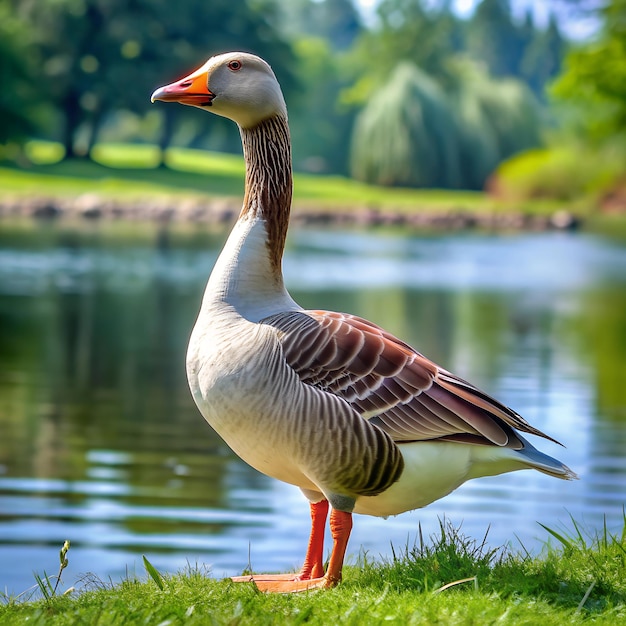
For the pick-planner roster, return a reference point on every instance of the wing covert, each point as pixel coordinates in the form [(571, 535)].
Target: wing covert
[(390, 384)]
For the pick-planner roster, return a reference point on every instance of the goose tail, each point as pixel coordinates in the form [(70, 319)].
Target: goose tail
[(543, 462)]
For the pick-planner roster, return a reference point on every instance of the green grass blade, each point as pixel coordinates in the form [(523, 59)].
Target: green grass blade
[(566, 542), (44, 585), (154, 573)]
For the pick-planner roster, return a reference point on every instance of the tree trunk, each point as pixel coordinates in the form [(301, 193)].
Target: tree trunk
[(169, 118), (94, 129), (72, 111)]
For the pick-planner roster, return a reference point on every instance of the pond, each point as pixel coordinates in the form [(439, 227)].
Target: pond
[(100, 442)]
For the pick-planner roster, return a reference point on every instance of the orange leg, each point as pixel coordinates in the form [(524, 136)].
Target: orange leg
[(313, 561), (340, 528), (312, 573)]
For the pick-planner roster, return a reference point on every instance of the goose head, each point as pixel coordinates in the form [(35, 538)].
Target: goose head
[(236, 85)]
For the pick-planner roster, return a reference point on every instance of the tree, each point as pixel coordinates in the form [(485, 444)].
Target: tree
[(320, 126), (100, 55), (413, 132), (407, 31), (494, 38), (18, 99), (594, 78), (342, 22), (406, 135), (336, 21), (543, 57)]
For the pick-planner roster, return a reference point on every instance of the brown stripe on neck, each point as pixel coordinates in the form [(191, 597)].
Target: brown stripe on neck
[(267, 154)]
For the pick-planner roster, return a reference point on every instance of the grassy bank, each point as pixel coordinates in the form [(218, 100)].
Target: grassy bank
[(449, 580), (130, 171), (199, 186)]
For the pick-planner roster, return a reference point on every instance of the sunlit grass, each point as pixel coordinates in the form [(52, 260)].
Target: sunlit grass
[(44, 152), (449, 579), (205, 162), (123, 156), (71, 179)]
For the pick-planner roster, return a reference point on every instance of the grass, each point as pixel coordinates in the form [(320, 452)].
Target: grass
[(580, 580), (130, 171)]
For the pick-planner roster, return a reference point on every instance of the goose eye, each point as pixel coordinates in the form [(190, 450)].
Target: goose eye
[(234, 65)]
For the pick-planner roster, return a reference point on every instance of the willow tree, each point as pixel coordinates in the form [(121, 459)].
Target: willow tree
[(495, 119), (407, 134), (478, 144), (415, 133)]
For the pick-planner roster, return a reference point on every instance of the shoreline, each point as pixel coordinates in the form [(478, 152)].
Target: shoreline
[(221, 211)]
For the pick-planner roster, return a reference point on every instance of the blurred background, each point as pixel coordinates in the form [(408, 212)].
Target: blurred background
[(484, 107), (469, 83)]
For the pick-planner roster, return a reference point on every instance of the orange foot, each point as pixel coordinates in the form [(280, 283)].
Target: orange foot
[(283, 583), (312, 574)]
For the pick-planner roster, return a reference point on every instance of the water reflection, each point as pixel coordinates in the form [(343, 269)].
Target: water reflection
[(100, 442)]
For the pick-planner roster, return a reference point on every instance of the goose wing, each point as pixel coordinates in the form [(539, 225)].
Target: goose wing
[(390, 384)]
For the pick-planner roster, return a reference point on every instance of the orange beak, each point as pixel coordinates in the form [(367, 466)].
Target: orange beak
[(192, 90)]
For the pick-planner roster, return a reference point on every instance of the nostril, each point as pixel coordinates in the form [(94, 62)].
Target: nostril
[(186, 83)]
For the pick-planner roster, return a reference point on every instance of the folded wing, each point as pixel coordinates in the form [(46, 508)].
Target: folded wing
[(388, 383)]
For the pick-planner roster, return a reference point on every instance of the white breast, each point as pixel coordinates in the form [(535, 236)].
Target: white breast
[(242, 387)]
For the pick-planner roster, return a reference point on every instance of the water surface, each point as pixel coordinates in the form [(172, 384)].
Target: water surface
[(100, 442)]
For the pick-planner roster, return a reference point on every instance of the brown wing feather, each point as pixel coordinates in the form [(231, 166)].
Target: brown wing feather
[(390, 384)]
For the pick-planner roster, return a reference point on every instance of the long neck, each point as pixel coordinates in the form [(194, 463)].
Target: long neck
[(267, 154), (248, 273)]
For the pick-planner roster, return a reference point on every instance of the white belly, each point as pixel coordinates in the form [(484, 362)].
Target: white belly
[(431, 471)]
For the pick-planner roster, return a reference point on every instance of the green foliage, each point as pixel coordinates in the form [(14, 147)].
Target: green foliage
[(413, 133), (484, 113), (406, 135), (515, 49), (405, 31), (543, 57), (497, 118), (320, 32), (95, 56), (19, 100), (589, 98), (408, 31), (495, 39), (429, 34), (594, 78), (569, 172), (337, 22), (320, 127), (479, 152), (97, 61)]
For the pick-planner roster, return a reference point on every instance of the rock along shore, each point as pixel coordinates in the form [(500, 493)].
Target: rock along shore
[(223, 211)]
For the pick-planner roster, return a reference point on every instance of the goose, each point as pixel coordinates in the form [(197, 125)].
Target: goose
[(329, 402)]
